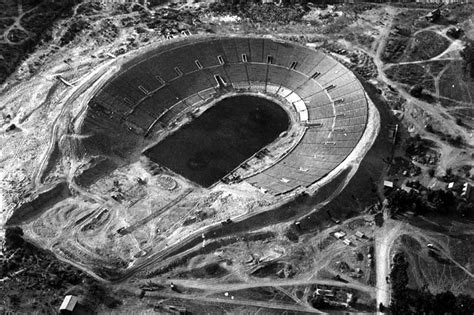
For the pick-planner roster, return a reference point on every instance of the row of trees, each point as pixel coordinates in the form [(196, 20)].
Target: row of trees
[(468, 55), (436, 201)]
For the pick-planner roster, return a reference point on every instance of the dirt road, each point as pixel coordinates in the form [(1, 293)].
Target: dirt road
[(384, 238), (220, 287), (68, 101), (228, 300)]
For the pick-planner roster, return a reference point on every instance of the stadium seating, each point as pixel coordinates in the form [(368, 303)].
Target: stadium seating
[(256, 50), (154, 87), (257, 72)]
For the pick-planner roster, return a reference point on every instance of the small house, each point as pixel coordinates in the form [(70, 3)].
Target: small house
[(467, 192), (406, 188), (68, 304), (324, 292), (387, 184)]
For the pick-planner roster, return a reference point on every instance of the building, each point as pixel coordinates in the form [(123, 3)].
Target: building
[(324, 292), (388, 184), (467, 192), (406, 188), (339, 235), (68, 305)]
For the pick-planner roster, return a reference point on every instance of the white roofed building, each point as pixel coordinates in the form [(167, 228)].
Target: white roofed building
[(68, 304)]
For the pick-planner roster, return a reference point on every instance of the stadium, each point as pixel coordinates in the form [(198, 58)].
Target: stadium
[(321, 106), (248, 157)]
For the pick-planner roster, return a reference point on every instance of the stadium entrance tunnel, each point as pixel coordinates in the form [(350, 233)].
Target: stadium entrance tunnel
[(221, 138)]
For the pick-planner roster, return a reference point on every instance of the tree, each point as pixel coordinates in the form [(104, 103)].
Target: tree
[(444, 302), (457, 141), (292, 234), (422, 301), (468, 55), (464, 209), (449, 171), (399, 281), (318, 302), (13, 238), (416, 91), (431, 172)]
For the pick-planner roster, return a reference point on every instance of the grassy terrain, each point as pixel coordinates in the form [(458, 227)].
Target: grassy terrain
[(404, 25), (426, 45), (456, 86), (434, 272), (436, 66), (411, 75), (410, 47)]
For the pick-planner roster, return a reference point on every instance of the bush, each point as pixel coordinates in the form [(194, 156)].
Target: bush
[(75, 28), (13, 238), (394, 49), (455, 32), (292, 234), (431, 172), (456, 141)]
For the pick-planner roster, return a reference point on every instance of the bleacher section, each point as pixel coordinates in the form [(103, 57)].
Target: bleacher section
[(151, 89), (257, 73), (256, 50)]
